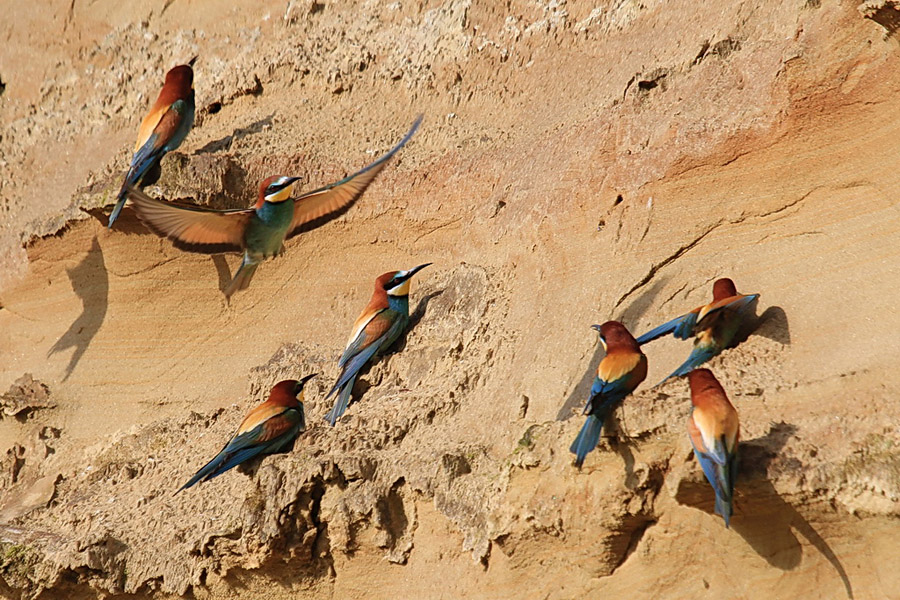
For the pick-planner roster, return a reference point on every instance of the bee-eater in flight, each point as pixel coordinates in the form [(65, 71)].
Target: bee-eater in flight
[(162, 130), (379, 325), (259, 231), (622, 369), (270, 427), (713, 326), (714, 430)]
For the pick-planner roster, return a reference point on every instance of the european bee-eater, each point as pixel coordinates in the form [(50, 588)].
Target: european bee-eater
[(622, 369), (714, 430), (270, 427), (259, 231), (379, 325), (713, 325), (162, 130)]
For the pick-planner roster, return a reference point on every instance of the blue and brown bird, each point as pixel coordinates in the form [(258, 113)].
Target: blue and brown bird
[(379, 325), (622, 369), (162, 130), (714, 430), (259, 231), (270, 427), (714, 326)]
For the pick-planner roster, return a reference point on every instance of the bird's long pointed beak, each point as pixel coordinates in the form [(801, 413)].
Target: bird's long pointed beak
[(191, 62), (597, 327), (303, 381), (415, 270)]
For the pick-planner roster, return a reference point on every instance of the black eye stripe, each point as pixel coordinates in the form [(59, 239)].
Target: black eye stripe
[(274, 188)]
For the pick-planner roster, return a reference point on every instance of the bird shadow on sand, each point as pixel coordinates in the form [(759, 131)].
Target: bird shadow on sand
[(90, 282), (766, 521), (418, 313), (771, 324), (222, 270), (628, 317), (238, 134)]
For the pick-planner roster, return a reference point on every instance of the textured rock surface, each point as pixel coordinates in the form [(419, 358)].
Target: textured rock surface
[(578, 162)]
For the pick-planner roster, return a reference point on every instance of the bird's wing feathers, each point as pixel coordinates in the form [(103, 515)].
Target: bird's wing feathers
[(713, 431), (695, 435), (700, 353), (144, 157), (170, 123), (617, 376), (686, 325), (259, 415), (279, 425), (229, 461), (148, 125), (275, 425), (153, 141), (661, 330), (719, 452), (191, 227), (367, 333), (261, 438), (371, 339), (357, 336), (681, 327), (737, 303), (341, 194), (703, 456), (334, 198)]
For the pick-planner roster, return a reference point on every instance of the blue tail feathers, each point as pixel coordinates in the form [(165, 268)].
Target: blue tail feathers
[(120, 204), (341, 402), (587, 439), (723, 507), (699, 355)]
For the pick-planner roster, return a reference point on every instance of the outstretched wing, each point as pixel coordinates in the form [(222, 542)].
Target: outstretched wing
[(682, 327), (342, 194), (191, 227), (736, 303)]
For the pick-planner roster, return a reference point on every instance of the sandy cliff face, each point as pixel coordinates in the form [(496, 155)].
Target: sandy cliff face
[(578, 162)]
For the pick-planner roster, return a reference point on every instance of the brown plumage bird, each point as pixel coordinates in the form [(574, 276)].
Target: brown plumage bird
[(162, 130)]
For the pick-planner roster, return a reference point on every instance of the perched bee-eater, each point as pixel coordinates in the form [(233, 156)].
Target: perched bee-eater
[(259, 231), (714, 430), (622, 369), (162, 130), (713, 326), (379, 325), (270, 427)]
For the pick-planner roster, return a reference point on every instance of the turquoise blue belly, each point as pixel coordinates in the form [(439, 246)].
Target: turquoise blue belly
[(268, 227)]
